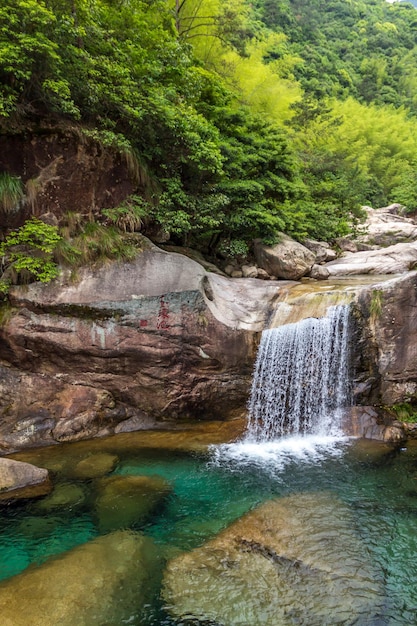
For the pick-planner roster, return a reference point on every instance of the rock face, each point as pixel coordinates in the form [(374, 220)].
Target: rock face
[(22, 480), (63, 171), (101, 582), (279, 564), (389, 336), (155, 339), (288, 259)]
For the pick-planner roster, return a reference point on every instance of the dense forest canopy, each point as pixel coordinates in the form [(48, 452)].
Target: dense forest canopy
[(243, 118)]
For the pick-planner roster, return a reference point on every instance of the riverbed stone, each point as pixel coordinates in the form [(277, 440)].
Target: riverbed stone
[(65, 495), (104, 581), (22, 480), (95, 466), (125, 501), (295, 560)]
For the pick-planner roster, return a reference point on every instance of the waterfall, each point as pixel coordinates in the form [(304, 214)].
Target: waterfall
[(301, 378)]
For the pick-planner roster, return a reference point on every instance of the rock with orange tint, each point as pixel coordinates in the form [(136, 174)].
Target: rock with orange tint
[(295, 560)]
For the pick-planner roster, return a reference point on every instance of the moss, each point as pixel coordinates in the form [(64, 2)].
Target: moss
[(375, 305), (6, 311), (405, 412)]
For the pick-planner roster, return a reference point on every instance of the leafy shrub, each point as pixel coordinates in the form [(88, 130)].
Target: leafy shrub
[(28, 254)]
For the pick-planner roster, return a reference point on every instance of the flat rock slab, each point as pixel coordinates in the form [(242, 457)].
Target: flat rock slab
[(22, 480), (296, 560), (101, 582), (396, 259)]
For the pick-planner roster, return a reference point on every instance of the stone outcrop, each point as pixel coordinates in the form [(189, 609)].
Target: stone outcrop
[(101, 582), (387, 226), (22, 480), (288, 259), (396, 259), (128, 344), (279, 564)]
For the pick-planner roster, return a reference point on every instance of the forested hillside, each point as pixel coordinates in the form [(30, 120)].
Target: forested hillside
[(240, 119)]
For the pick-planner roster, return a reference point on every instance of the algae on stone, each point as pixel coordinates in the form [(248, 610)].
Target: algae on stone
[(124, 501), (104, 581)]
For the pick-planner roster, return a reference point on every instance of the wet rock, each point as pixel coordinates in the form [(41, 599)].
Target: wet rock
[(95, 466), (22, 480), (293, 560), (67, 495), (288, 259), (124, 501), (104, 581), (389, 311)]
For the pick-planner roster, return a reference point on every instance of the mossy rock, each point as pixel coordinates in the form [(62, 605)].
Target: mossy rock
[(65, 495), (126, 501), (94, 466), (105, 581)]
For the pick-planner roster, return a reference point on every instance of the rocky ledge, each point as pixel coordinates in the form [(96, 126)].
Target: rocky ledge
[(128, 346)]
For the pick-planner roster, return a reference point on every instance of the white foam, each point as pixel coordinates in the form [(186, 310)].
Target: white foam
[(274, 456)]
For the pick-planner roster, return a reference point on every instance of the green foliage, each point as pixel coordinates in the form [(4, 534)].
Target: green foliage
[(28, 254), (11, 192), (237, 119), (405, 412), (95, 243), (375, 305), (130, 215)]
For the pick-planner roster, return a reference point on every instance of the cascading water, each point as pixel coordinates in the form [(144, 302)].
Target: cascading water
[(301, 379)]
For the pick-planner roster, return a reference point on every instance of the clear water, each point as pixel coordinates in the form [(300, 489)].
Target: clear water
[(210, 491)]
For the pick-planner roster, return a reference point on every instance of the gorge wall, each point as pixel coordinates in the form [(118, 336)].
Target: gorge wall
[(128, 346)]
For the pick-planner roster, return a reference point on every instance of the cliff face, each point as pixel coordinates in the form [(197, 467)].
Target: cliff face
[(126, 346), (63, 171), (388, 320)]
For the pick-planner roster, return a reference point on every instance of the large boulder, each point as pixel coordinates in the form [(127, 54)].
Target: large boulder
[(296, 560), (128, 343), (124, 501), (396, 259), (22, 480), (288, 259), (101, 582)]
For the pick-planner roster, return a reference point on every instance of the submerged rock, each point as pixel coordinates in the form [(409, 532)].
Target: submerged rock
[(296, 560), (95, 466), (101, 582), (22, 480), (66, 495), (124, 501)]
